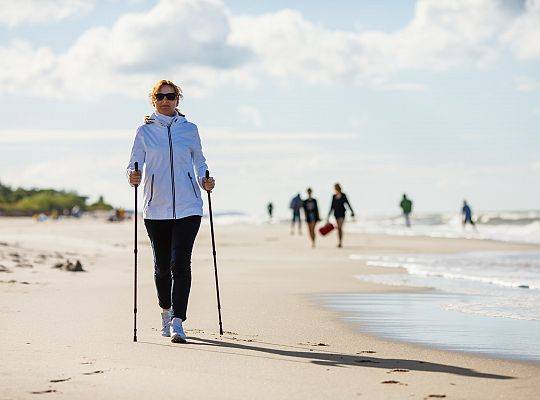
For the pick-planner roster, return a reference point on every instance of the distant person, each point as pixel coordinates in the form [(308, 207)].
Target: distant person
[(467, 214), (270, 208), (339, 199), (406, 206), (295, 206), (311, 213)]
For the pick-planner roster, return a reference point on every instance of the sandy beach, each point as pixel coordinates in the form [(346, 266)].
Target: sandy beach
[(69, 334)]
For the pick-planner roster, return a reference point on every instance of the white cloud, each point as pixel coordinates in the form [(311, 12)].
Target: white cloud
[(527, 84), (523, 35), (201, 45), (250, 115), (186, 39), (27, 12), (442, 34)]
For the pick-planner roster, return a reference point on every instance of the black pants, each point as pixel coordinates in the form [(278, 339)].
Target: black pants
[(172, 243)]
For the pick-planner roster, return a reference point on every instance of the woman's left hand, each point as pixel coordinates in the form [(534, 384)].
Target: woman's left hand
[(209, 184)]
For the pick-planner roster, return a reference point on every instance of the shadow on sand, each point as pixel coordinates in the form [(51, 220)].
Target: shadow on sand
[(326, 358)]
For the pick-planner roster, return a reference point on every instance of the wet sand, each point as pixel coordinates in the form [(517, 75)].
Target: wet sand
[(69, 334)]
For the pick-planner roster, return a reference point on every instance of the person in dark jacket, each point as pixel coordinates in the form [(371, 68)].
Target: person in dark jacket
[(311, 213), (339, 200), (296, 206)]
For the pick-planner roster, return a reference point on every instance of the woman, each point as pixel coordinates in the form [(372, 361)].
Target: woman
[(311, 212), (338, 206), (168, 150)]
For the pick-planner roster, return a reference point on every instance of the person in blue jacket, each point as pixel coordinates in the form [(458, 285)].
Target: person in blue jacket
[(168, 149), (467, 215)]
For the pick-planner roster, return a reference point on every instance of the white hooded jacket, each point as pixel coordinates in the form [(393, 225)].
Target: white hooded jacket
[(169, 152)]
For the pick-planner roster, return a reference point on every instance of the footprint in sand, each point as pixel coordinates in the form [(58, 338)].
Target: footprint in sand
[(365, 361), (98, 371), (59, 380), (44, 391), (394, 383)]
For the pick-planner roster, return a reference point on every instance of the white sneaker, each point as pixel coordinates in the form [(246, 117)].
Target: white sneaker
[(166, 323), (177, 331)]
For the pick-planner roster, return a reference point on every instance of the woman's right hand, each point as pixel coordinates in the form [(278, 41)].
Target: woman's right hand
[(135, 178)]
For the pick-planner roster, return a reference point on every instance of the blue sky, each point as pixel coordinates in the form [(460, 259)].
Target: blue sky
[(440, 99)]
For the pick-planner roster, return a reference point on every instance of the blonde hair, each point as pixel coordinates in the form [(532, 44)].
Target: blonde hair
[(163, 82)]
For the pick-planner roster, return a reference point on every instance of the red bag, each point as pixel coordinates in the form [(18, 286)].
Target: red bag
[(324, 230)]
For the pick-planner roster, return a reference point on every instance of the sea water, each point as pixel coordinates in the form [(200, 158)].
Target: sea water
[(484, 302)]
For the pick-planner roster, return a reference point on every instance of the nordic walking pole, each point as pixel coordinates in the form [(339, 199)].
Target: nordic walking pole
[(214, 253), (135, 277)]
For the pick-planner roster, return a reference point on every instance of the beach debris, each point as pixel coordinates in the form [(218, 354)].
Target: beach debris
[(436, 396), (44, 391), (87, 362), (322, 344), (97, 371), (25, 283), (523, 286), (398, 370), (3, 268), (69, 266), (367, 352), (59, 380), (394, 383)]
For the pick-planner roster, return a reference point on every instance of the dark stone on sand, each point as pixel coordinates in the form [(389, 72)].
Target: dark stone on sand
[(69, 266), (322, 344)]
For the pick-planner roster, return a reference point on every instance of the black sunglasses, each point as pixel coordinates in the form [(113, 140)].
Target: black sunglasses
[(169, 96)]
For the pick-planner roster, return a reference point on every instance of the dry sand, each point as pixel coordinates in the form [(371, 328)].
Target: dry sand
[(69, 334)]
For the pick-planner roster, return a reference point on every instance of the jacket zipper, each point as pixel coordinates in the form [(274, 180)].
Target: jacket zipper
[(192, 185), (151, 190), (172, 171)]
